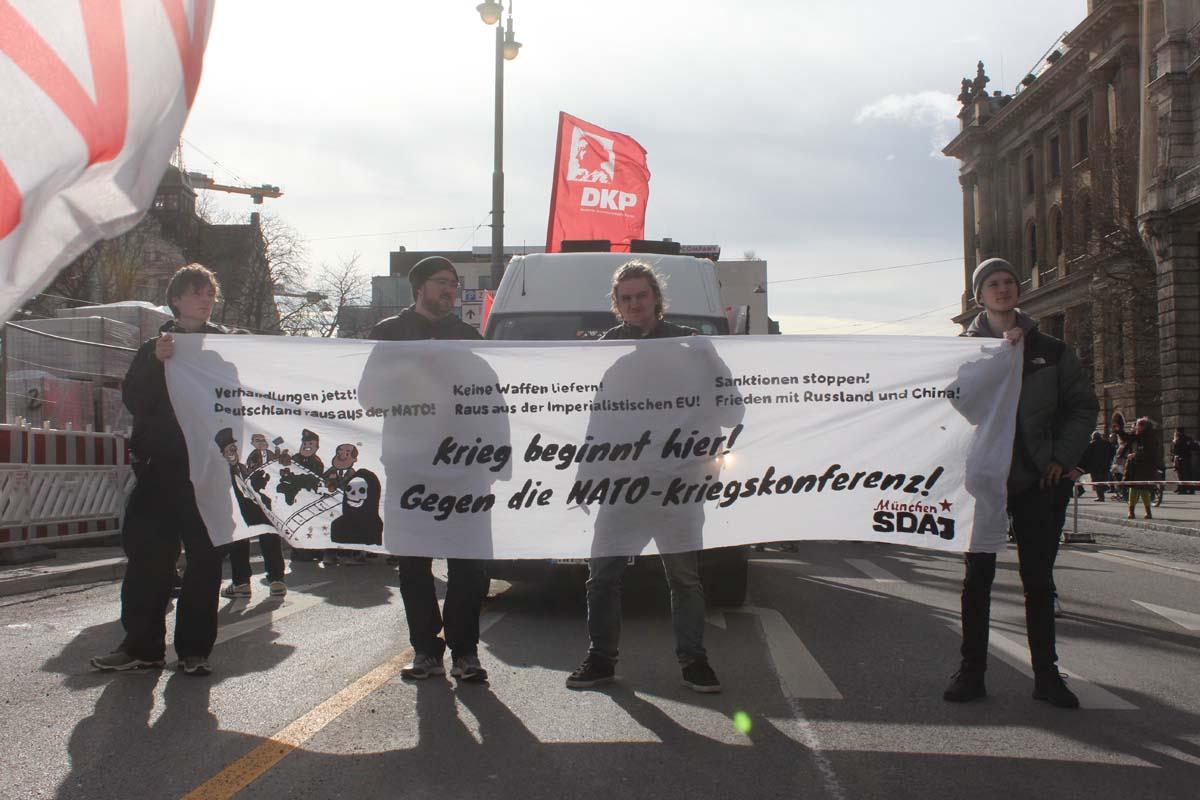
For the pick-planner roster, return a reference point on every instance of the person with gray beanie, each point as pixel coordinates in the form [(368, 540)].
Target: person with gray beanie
[(1056, 412)]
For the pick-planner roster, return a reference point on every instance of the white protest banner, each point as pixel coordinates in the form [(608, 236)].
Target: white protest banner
[(93, 95), (568, 450)]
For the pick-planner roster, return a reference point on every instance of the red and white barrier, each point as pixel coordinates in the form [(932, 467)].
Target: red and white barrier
[(1140, 484), (60, 485)]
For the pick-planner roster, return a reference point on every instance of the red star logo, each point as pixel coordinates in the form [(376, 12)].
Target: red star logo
[(946, 504)]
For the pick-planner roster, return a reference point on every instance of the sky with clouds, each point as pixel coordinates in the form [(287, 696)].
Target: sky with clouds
[(806, 132)]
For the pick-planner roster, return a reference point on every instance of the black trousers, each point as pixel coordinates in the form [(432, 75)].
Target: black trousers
[(1035, 528), (465, 588), (160, 517), (272, 551)]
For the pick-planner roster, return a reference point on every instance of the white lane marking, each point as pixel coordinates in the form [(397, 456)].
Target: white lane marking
[(872, 570), (716, 618), (800, 676), (978, 741), (1016, 654), (1164, 567), (805, 733), (1184, 619), (292, 603)]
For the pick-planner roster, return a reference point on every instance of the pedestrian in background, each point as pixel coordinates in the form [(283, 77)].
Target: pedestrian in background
[(1056, 409), (1183, 451), (245, 490), (1096, 461), (161, 513), (1143, 463)]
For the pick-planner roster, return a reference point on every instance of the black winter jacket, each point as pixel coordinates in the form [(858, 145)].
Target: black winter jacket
[(157, 440), (663, 330), (1057, 408), (408, 325)]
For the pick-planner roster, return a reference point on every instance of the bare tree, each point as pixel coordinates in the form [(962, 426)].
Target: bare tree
[(340, 287), (132, 266), (276, 260)]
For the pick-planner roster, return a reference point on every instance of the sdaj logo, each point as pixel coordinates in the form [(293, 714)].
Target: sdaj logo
[(905, 517), (592, 158)]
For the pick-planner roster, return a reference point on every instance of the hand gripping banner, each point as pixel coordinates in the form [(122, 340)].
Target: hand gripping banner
[(93, 95), (566, 450), (601, 186)]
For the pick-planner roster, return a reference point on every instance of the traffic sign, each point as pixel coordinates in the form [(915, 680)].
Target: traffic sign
[(472, 313)]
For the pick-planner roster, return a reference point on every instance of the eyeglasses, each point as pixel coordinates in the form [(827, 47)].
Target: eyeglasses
[(446, 283)]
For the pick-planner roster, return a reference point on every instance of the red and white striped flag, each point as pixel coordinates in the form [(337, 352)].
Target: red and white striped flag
[(93, 96)]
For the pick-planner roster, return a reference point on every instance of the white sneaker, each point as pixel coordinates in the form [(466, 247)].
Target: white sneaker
[(236, 590), (278, 588)]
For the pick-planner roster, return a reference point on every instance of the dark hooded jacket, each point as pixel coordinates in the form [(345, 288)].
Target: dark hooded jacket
[(408, 325), (1145, 459), (157, 440), (1057, 409)]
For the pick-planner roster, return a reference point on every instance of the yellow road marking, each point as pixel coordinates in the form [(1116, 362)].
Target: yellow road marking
[(250, 767)]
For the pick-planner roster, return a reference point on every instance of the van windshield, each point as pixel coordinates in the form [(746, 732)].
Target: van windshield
[(581, 325)]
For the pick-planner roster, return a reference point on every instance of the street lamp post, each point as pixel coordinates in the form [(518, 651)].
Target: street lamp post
[(506, 50)]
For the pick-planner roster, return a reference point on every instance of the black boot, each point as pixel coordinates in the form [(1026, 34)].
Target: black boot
[(1049, 686), (967, 684)]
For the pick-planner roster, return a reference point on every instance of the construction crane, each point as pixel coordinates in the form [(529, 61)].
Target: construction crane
[(257, 193)]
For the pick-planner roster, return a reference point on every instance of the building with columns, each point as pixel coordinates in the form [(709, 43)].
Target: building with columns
[(1169, 195), (1064, 178)]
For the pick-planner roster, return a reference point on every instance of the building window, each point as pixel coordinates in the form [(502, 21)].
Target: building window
[(1029, 175), (1054, 325), (1031, 249), (1114, 344), (1056, 229), (1081, 138), (485, 282), (1085, 226), (1055, 158)]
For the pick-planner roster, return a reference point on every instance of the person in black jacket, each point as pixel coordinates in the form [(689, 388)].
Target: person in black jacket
[(1056, 409), (1183, 449), (1097, 459), (435, 286), (638, 301), (161, 512)]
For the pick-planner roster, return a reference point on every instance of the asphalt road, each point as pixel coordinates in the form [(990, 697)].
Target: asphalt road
[(837, 661)]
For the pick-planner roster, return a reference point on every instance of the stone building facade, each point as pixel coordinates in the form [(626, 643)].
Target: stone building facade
[(1051, 176), (1169, 199), (235, 252)]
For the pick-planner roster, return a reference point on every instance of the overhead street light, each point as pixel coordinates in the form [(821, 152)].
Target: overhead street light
[(507, 48)]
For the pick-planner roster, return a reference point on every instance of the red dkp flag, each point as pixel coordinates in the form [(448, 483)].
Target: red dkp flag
[(93, 95), (601, 185)]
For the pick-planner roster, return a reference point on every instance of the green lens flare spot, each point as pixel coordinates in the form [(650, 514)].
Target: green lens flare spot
[(741, 721)]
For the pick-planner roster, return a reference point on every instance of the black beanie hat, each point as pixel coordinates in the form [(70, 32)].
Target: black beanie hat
[(427, 267)]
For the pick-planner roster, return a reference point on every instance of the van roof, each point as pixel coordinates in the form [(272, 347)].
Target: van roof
[(541, 282)]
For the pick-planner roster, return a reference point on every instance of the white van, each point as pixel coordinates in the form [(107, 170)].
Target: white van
[(565, 296)]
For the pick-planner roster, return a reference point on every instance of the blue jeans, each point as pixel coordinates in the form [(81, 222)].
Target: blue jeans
[(687, 605)]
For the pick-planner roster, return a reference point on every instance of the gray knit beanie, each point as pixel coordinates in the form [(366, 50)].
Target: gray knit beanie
[(987, 268)]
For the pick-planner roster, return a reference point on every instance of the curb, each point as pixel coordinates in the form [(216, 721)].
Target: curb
[(108, 569), (51, 576), (1146, 525)]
